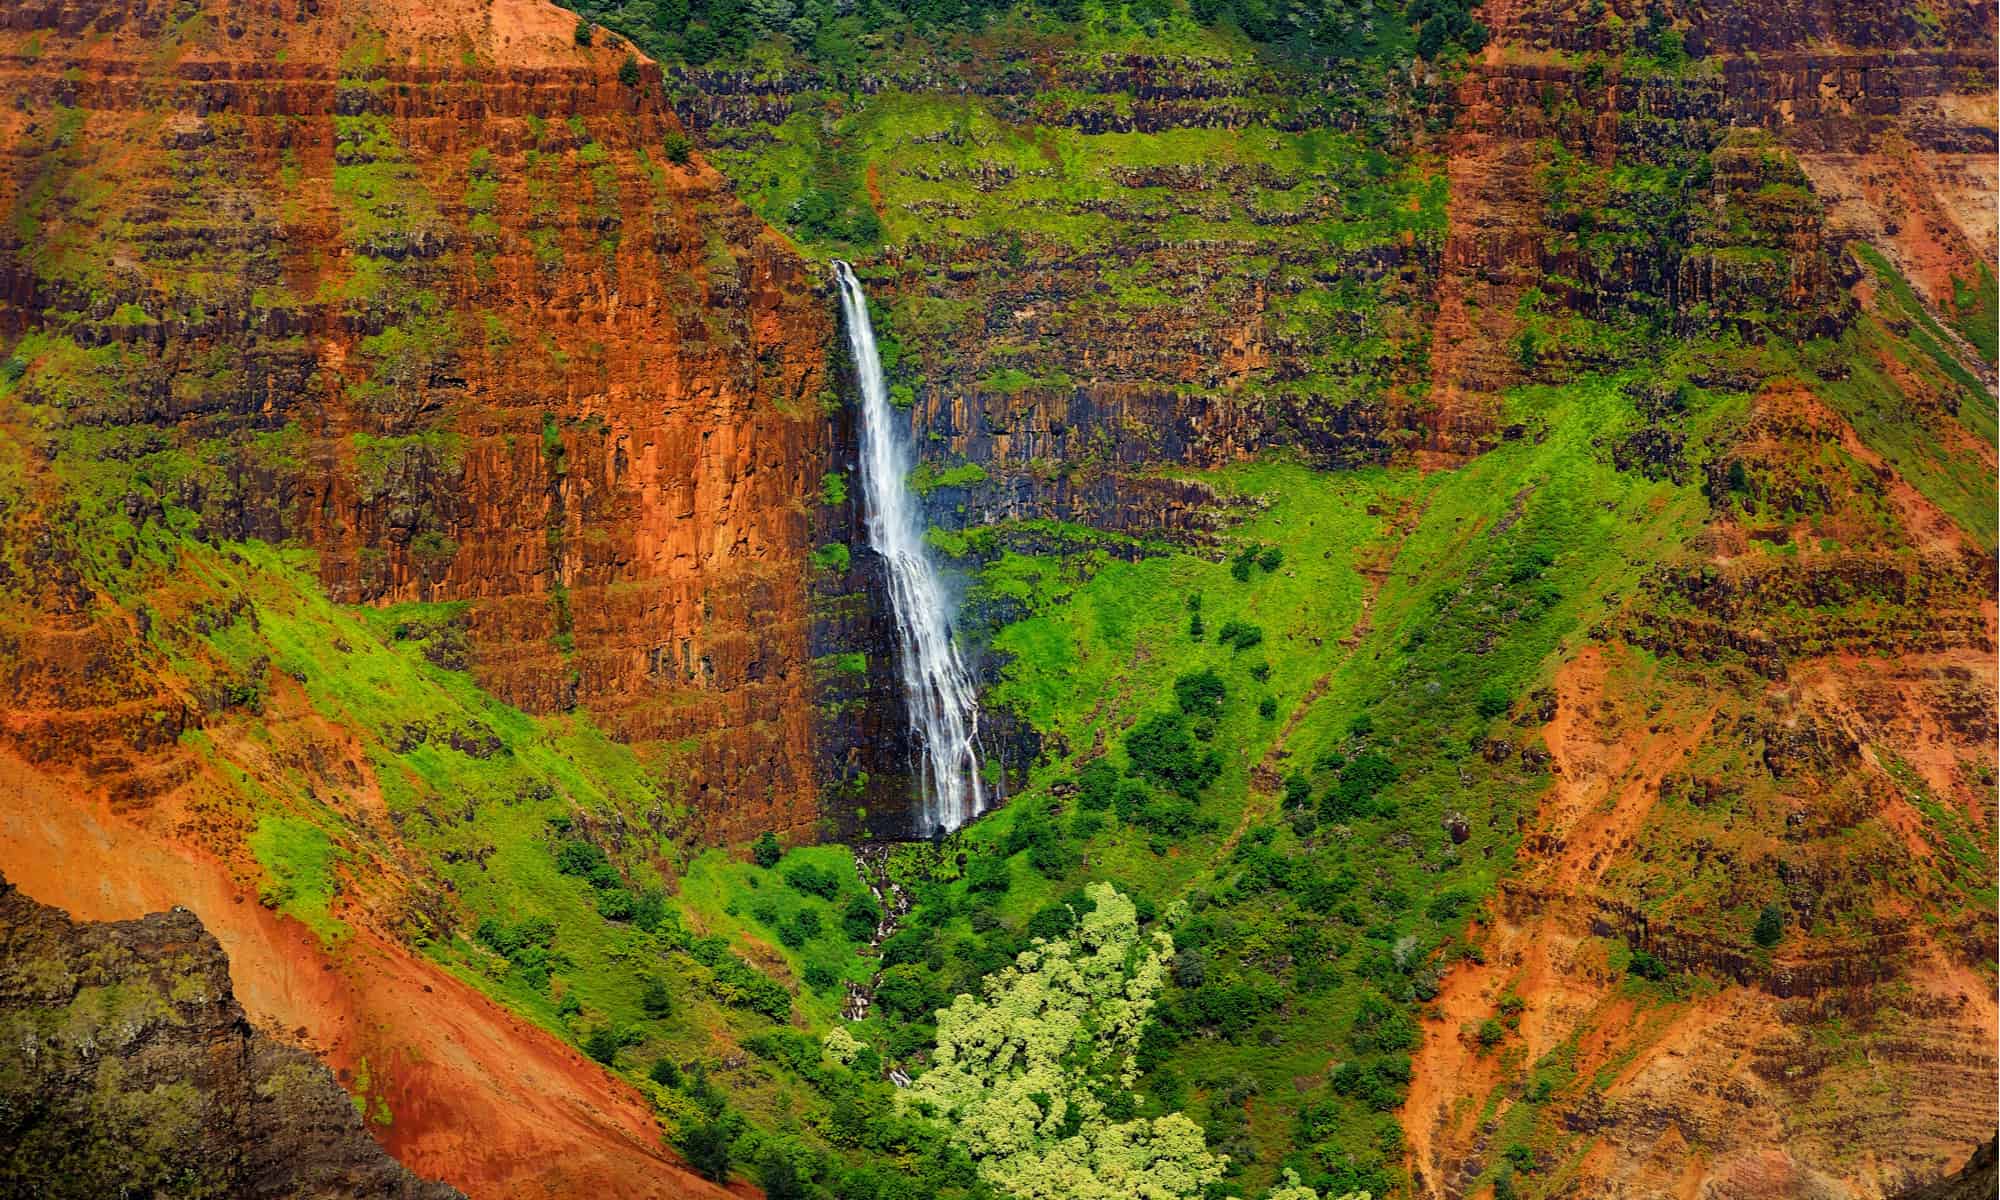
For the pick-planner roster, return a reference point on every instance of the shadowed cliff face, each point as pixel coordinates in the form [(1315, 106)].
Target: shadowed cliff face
[(132, 1069), (423, 292)]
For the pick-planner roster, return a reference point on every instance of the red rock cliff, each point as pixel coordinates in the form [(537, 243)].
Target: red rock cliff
[(505, 349)]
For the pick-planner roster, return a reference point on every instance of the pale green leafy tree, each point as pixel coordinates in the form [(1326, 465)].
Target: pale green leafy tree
[(1020, 1076), (842, 1046)]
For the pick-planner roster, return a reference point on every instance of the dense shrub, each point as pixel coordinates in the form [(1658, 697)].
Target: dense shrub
[(616, 904), (859, 919), (987, 874), (906, 946), (1298, 790), (1096, 784), (1379, 1084), (576, 857), (1379, 1025), (708, 1145), (1230, 1007), (1162, 752), (765, 850), (1360, 782), (813, 880), (1240, 635), (512, 941), (1770, 926), (1200, 693), (907, 991), (602, 1044)]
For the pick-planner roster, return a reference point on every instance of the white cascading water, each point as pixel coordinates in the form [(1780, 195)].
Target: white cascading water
[(944, 709)]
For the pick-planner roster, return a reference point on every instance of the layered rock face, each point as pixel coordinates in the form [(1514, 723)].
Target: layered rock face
[(1096, 265), (429, 296), (1820, 716), (133, 1070), (1884, 112), (414, 304)]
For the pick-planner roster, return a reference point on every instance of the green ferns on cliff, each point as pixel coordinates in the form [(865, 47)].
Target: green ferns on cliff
[(842, 38)]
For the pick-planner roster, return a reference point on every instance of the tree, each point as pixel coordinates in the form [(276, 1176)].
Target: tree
[(765, 850), (584, 31), (1021, 1073), (656, 1000), (1034, 1078), (1770, 926), (628, 71), (813, 880), (1200, 693), (602, 1044), (859, 919), (708, 1145), (1162, 753), (780, 1178)]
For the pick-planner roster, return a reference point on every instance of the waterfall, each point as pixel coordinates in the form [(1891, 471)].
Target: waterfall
[(944, 709)]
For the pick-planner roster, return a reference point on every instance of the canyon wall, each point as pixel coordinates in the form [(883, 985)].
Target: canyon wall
[(1803, 711), (429, 311), (428, 296)]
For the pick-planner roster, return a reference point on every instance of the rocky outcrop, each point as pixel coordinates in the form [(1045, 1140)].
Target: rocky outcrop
[(132, 1070), (1976, 1180)]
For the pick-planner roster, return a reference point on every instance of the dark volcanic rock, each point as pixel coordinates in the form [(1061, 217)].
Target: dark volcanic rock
[(130, 1070), (1978, 1179)]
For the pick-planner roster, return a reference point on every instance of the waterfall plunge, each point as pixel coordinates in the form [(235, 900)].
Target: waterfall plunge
[(944, 710)]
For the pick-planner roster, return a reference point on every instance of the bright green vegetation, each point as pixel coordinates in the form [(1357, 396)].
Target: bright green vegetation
[(1293, 208), (1320, 908), (842, 40), (1934, 454), (1976, 312), (1035, 1077), (551, 910), (299, 858), (1302, 747)]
